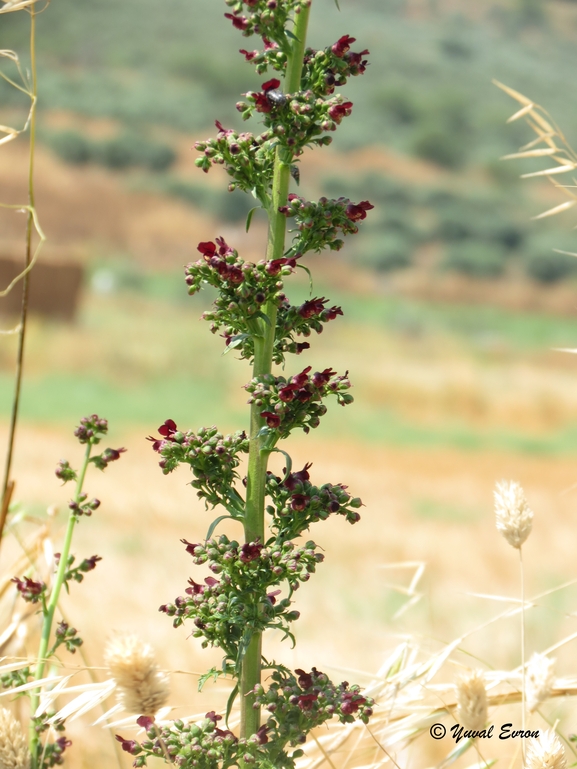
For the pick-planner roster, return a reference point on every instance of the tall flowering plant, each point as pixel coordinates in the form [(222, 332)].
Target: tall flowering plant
[(252, 583)]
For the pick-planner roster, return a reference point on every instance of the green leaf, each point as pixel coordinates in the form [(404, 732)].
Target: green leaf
[(337, 4), (230, 703), (289, 463), (215, 523), (235, 341), (264, 431), (306, 269), (260, 314), (288, 33), (249, 217), (213, 673)]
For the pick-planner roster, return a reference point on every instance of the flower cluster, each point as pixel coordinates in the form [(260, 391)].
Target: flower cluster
[(212, 457), (77, 573), (297, 503), (226, 611), (91, 429), (267, 18), (325, 70), (31, 590), (82, 507), (247, 159), (295, 120), (297, 401), (50, 753), (298, 705), (319, 224), (68, 636)]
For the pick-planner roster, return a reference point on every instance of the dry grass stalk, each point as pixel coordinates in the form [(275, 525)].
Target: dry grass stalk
[(514, 516), (13, 744), (143, 688)]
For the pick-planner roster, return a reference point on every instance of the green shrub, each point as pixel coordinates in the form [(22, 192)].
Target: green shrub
[(387, 251), (544, 264), (438, 145), (476, 259)]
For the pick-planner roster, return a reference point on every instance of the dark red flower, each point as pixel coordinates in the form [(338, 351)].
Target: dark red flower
[(207, 249), (331, 313), (194, 588), (305, 701), (297, 478), (222, 129), (272, 420), (299, 501), (261, 103), (111, 455), (286, 394), (312, 307), (358, 211), (300, 346), (261, 734), (321, 378), (88, 564), (272, 596), (343, 45), (189, 546), (211, 581), (270, 85), (305, 680), (130, 746), (167, 429), (356, 62), (352, 702), (249, 55), (301, 379), (214, 717), (304, 395), (28, 588), (275, 265), (338, 111), (63, 743), (240, 22), (145, 721), (250, 551)]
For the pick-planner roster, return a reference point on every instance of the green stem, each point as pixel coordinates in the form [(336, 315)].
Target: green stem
[(258, 458), (51, 608)]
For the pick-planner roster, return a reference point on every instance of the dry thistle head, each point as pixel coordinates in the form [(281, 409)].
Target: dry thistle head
[(13, 744), (538, 680), (472, 700), (143, 688), (546, 752), (514, 516)]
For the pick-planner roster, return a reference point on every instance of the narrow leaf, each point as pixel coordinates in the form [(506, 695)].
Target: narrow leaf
[(513, 94), (557, 210), (249, 217), (263, 316), (235, 341), (213, 673), (337, 4), (214, 524), (289, 462), (230, 703), (308, 272)]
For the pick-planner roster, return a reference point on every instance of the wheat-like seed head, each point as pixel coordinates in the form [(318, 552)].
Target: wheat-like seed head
[(143, 688), (472, 700), (539, 680), (514, 516), (546, 752), (13, 744)]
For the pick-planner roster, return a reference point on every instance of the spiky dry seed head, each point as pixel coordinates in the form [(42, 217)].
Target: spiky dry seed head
[(472, 700), (539, 680), (514, 516), (545, 752), (143, 688), (13, 744)]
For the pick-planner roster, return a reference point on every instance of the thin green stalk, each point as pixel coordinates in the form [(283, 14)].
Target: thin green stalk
[(26, 279), (258, 458), (51, 607)]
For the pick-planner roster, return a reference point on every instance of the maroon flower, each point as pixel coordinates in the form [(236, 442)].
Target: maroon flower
[(111, 455), (130, 746), (304, 395), (321, 378), (356, 212), (189, 546), (240, 22), (312, 307), (301, 379), (286, 394), (356, 62), (249, 55), (88, 564), (270, 85), (343, 45), (300, 346), (222, 129), (305, 680), (214, 717), (338, 111), (211, 581), (305, 701), (272, 596), (29, 589), (168, 429), (145, 721), (351, 703), (261, 734), (261, 103), (63, 743), (272, 420), (250, 551), (331, 313), (299, 501), (207, 249), (194, 588), (275, 265), (299, 477)]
